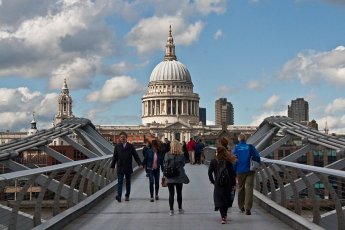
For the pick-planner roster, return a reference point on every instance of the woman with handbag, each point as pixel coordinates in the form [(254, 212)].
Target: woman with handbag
[(176, 175), (153, 162)]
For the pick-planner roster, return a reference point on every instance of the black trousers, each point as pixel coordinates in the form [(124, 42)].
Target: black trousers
[(171, 187), (223, 211)]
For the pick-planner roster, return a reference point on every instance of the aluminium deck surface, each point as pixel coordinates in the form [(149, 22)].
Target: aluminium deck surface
[(141, 214)]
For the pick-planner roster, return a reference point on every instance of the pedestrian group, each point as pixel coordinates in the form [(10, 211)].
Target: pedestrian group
[(227, 169)]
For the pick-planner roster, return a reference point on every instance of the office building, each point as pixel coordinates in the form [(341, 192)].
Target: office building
[(224, 112), (299, 110), (202, 115)]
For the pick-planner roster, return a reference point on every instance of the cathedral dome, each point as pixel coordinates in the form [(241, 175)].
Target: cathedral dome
[(170, 70)]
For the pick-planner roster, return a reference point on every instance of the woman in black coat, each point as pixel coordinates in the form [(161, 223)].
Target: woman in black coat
[(222, 193)]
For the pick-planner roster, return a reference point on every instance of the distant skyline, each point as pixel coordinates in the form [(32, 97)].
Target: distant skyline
[(259, 54)]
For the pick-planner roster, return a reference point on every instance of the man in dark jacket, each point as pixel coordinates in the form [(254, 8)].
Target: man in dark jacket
[(123, 154), (166, 146)]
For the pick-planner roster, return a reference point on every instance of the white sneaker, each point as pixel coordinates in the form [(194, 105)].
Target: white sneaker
[(171, 213), (181, 211)]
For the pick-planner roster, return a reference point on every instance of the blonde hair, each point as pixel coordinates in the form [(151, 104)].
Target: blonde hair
[(175, 147), (242, 137)]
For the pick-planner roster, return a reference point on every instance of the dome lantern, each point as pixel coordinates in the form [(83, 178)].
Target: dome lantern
[(170, 48), (170, 69)]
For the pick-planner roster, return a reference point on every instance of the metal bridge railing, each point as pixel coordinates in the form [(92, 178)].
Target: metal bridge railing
[(315, 193), (73, 181)]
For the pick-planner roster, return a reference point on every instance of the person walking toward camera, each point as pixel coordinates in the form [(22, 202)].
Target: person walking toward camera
[(122, 157), (153, 162), (175, 161), (222, 176), (245, 177)]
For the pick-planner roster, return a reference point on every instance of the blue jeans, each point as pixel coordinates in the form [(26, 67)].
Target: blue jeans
[(120, 177), (153, 179)]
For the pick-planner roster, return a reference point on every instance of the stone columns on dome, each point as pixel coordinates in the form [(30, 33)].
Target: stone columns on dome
[(175, 109)]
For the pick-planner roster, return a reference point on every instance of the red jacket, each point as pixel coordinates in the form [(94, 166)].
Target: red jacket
[(191, 145)]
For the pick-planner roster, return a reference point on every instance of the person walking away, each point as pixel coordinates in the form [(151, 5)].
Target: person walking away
[(245, 177), (191, 150), (197, 152), (221, 175), (122, 158), (175, 157), (202, 158), (166, 146), (153, 162), (185, 151), (199, 146), (225, 143)]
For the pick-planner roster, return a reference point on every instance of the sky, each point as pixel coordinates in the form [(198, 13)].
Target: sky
[(259, 54)]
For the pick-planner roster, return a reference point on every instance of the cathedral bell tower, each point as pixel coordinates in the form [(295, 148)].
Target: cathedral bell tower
[(64, 105)]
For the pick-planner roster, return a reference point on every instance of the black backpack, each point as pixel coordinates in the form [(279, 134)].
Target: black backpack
[(170, 168), (222, 174)]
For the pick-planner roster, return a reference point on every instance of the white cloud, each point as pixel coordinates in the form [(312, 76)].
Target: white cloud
[(271, 102), (211, 6), (15, 120), (336, 124), (17, 99), (48, 105), (218, 34), (224, 90), (69, 31), (313, 67), (208, 122), (255, 85), (338, 104), (258, 119), (79, 73), (115, 89), (17, 105), (147, 38)]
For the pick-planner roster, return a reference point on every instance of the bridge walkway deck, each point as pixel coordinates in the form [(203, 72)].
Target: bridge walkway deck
[(139, 213)]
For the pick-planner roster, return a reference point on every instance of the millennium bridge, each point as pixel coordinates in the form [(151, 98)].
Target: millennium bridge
[(81, 194)]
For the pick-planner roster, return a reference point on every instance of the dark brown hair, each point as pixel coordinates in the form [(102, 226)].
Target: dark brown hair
[(123, 133), (224, 142), (156, 144), (224, 154)]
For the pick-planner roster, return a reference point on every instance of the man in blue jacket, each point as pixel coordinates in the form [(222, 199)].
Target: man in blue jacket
[(245, 177)]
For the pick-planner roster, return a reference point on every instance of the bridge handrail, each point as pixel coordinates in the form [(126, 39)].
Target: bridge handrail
[(69, 183), (311, 168), (42, 170), (292, 185)]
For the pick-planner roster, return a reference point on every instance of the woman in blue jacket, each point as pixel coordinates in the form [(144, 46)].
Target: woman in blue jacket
[(153, 163)]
